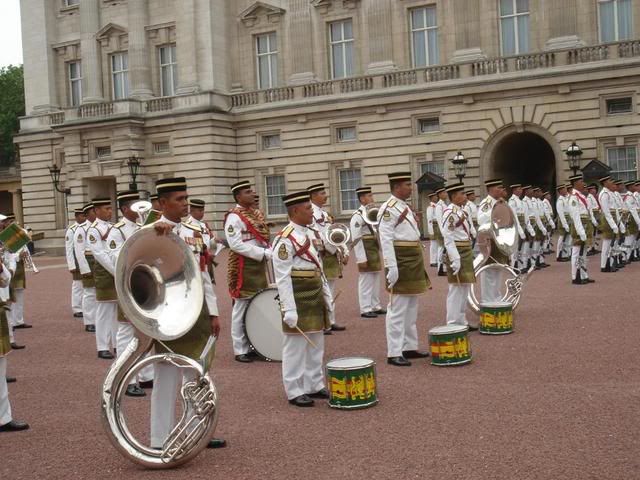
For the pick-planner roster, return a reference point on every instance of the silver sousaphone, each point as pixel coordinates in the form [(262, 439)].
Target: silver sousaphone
[(160, 291), (503, 232)]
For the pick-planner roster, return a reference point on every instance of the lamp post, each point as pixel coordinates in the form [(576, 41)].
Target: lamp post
[(459, 166), (134, 168), (54, 171), (573, 157)]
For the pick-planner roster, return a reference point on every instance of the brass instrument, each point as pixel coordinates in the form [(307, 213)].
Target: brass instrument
[(159, 287), (371, 214), (28, 261), (338, 235), (142, 208)]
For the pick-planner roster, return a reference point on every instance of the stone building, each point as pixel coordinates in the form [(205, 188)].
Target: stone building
[(292, 92)]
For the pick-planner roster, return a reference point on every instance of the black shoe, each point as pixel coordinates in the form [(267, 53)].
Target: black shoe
[(441, 274), (338, 328), (217, 443), (15, 346), (380, 311), (135, 391), (252, 354), (368, 315), (544, 265), (398, 361), (302, 401), (105, 355), (23, 325), (590, 280), (579, 281), (14, 426), (607, 270), (327, 331), (414, 354), (434, 264), (90, 328), (244, 358), (11, 379), (472, 328), (78, 315), (563, 259), (148, 384), (322, 393)]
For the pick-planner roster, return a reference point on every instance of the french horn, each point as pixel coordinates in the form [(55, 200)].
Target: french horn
[(159, 287)]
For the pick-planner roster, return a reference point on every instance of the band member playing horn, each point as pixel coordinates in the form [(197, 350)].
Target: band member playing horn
[(581, 231), (437, 228), (367, 251), (18, 285), (88, 285), (72, 264), (633, 220), (594, 209), (306, 302), (172, 193), (564, 218), (210, 243), (332, 257), (431, 229), (457, 233), (406, 276), (521, 257), (535, 243), (248, 238), (608, 225)]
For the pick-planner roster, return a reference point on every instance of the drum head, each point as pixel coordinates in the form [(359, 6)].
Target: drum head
[(495, 305), (447, 329), (350, 363), (263, 325)]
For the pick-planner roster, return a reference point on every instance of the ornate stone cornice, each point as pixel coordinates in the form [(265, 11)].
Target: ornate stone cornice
[(251, 16)]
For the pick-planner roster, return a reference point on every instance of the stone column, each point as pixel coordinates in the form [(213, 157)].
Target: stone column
[(91, 64), (378, 15), (467, 31), (139, 69), (563, 25), (300, 41), (186, 49)]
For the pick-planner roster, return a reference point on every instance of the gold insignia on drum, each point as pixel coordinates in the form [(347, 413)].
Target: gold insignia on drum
[(282, 252), (386, 216), (112, 245), (92, 239), (230, 229)]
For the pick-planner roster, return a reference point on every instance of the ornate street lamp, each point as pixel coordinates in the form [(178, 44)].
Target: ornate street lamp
[(54, 171), (459, 166), (134, 168), (573, 156)]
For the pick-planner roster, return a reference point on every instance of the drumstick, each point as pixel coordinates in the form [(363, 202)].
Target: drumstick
[(305, 337)]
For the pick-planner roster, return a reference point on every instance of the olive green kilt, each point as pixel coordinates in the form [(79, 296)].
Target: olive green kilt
[(588, 230), (605, 228), (632, 227), (310, 305), (331, 266), (254, 277), (192, 343), (412, 276), (87, 278), (105, 284), (75, 274), (466, 273), (12, 294), (19, 278), (539, 235), (437, 233), (372, 250), (5, 340)]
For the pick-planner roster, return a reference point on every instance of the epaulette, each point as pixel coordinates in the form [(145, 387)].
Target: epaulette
[(392, 203), (94, 224), (286, 231), (192, 226), (119, 225)]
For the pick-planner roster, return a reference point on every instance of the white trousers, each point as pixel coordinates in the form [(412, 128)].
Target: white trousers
[(402, 333), (332, 314), (490, 288), (575, 255), (457, 304), (5, 406), (106, 325), (89, 306), (433, 252), (238, 337), (302, 364), (17, 309), (369, 291), (76, 296), (605, 253), (536, 255), (629, 242), (126, 333)]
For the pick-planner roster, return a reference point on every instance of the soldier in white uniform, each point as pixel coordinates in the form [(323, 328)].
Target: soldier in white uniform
[(635, 192), (72, 264), (539, 228), (88, 285), (406, 276), (581, 231), (594, 209), (305, 301), (472, 206), (521, 257), (332, 258), (608, 225), (367, 251), (621, 218), (248, 239), (100, 263), (457, 234), (439, 212), (564, 217), (431, 219), (172, 193), (18, 285), (548, 212), (212, 245)]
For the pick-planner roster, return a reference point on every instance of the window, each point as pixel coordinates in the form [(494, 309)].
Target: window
[(424, 36), (349, 180), (436, 166), (267, 60), (71, 3), (75, 83), (103, 152), (346, 134), (615, 20), (428, 125), (514, 26), (341, 43), (160, 148), (622, 161), (275, 191), (619, 105), (120, 75), (270, 141), (168, 71)]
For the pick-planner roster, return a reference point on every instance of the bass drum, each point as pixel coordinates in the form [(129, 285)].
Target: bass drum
[(511, 285), (263, 325)]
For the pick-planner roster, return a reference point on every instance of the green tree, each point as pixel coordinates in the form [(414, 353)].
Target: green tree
[(11, 108)]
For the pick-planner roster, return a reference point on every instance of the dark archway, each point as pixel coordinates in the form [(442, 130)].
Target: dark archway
[(527, 158)]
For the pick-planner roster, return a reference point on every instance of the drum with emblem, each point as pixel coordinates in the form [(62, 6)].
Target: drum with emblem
[(450, 345), (496, 318), (352, 383), (263, 325)]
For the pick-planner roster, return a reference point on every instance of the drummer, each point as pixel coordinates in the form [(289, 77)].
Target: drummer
[(457, 233), (306, 302), (248, 238)]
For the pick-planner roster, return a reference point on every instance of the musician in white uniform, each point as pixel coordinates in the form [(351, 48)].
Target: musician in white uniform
[(594, 208), (305, 300), (18, 285), (431, 219), (539, 228), (564, 216), (88, 285), (520, 259), (439, 211), (72, 263), (581, 231), (545, 201), (608, 225), (635, 192), (406, 276)]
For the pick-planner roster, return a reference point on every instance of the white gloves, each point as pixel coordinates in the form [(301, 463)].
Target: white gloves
[(455, 266), (583, 238), (623, 228), (291, 318), (544, 231), (522, 235), (392, 276), (615, 230), (268, 254)]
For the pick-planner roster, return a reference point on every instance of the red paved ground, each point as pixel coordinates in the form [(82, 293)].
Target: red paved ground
[(557, 399)]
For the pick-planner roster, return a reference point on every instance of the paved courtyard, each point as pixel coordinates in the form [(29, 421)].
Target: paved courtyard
[(557, 399)]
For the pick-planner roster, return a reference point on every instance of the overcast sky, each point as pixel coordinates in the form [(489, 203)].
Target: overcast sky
[(10, 39)]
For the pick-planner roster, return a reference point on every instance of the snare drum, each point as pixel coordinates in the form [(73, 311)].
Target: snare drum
[(263, 325), (450, 345), (352, 382), (496, 318)]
